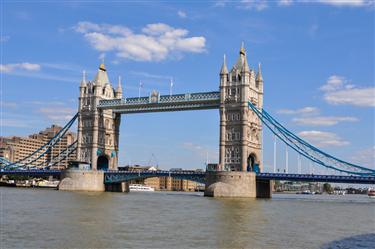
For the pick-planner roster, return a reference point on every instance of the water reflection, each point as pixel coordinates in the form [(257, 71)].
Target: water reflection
[(53, 219)]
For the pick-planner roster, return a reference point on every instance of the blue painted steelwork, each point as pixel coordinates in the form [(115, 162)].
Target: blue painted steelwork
[(60, 157), (31, 172), (163, 103), (317, 178), (121, 176), (4, 161), (307, 150), (41, 151)]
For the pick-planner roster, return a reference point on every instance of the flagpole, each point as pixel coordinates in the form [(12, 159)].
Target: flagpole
[(139, 90), (170, 88)]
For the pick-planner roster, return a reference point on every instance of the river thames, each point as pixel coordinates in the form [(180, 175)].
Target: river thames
[(37, 218)]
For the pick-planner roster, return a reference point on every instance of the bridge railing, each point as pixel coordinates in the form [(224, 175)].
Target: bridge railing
[(176, 98)]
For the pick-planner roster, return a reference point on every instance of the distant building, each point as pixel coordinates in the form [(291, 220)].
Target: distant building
[(165, 183), (16, 148), (288, 186), (136, 168)]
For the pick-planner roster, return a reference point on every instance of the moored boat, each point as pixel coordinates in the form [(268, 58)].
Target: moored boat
[(371, 193), (141, 188)]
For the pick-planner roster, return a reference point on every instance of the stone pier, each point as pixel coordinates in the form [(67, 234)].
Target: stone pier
[(230, 184), (89, 180), (236, 184)]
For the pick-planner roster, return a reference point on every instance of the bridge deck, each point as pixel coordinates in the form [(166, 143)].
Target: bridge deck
[(317, 178), (120, 176)]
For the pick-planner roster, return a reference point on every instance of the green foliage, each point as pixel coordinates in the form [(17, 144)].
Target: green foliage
[(327, 188)]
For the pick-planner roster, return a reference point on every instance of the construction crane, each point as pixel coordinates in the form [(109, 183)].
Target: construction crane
[(153, 158)]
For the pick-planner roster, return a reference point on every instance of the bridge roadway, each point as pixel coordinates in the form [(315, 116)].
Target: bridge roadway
[(120, 176)]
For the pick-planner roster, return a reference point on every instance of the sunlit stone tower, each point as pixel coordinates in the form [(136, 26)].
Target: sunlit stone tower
[(240, 128), (240, 134), (98, 130)]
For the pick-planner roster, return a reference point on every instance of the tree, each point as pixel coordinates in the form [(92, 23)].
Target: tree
[(327, 188)]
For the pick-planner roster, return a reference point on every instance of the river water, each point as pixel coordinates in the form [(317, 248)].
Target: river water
[(37, 218)]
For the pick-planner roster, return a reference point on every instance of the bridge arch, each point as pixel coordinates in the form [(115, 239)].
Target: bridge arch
[(251, 162), (103, 162), (117, 177)]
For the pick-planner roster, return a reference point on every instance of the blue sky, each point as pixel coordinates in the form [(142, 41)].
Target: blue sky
[(317, 62)]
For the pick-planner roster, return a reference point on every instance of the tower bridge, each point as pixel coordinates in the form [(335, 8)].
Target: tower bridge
[(101, 106), (239, 173)]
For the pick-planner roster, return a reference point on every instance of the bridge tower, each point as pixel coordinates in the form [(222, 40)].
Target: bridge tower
[(98, 130), (240, 148), (240, 128)]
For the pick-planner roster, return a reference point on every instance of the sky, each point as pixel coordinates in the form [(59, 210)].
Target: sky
[(317, 63)]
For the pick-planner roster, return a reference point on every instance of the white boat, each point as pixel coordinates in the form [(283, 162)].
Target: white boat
[(140, 187), (48, 184), (371, 193)]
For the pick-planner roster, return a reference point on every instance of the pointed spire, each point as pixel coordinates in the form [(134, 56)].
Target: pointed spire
[(83, 82), (224, 69), (101, 77), (259, 74), (245, 66), (102, 66), (242, 50), (240, 61)]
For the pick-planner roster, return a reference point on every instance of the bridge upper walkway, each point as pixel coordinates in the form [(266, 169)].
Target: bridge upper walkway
[(163, 103)]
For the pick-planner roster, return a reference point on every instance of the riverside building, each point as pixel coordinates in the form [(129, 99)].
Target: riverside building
[(15, 148)]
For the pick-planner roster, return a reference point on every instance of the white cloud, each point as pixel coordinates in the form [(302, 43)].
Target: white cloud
[(350, 3), (363, 97), (201, 151), (285, 2), (305, 110), (335, 3), (221, 3), (4, 38), (334, 82), (365, 157), (24, 66), (339, 91), (57, 114), (102, 56), (8, 104), (258, 5), (151, 76), (15, 123), (323, 121), (156, 42), (310, 116), (323, 139), (181, 14)]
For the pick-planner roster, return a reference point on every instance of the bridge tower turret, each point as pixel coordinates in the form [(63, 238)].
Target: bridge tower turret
[(240, 129), (98, 130)]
